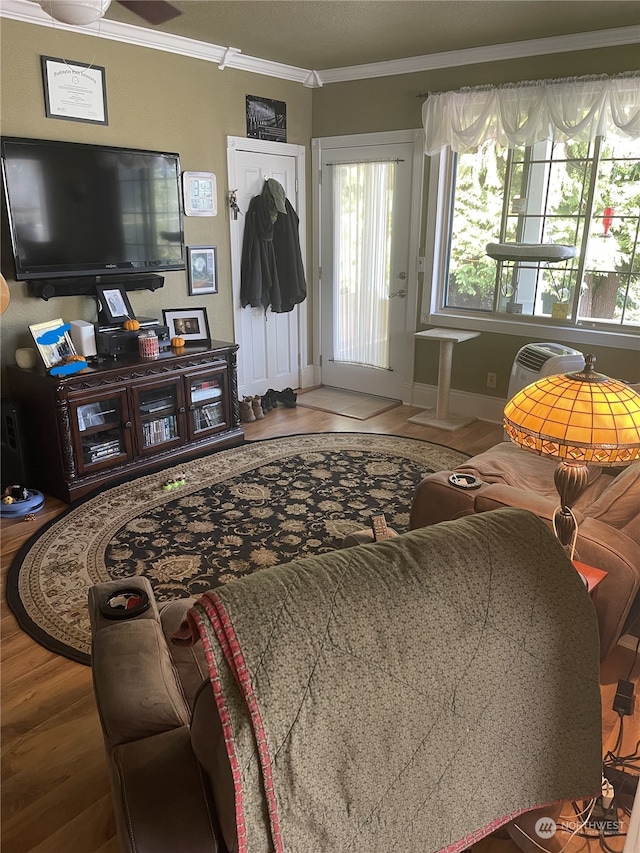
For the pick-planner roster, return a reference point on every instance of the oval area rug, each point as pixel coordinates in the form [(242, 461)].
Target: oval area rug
[(238, 511)]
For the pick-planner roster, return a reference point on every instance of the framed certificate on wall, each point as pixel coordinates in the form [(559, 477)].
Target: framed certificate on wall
[(74, 91)]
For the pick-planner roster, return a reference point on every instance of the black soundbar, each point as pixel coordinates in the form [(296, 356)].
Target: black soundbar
[(47, 288)]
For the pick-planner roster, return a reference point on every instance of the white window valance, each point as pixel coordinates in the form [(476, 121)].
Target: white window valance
[(523, 113)]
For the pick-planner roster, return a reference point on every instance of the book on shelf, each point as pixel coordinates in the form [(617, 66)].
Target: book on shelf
[(205, 392), (98, 446), (208, 416), (152, 406), (101, 454)]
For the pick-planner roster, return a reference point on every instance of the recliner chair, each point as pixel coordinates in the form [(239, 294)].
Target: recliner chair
[(608, 513)]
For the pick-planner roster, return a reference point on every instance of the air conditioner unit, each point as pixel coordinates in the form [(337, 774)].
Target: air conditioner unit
[(534, 361)]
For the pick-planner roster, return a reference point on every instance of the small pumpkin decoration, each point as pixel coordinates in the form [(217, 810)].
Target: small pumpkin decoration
[(131, 325), (177, 342)]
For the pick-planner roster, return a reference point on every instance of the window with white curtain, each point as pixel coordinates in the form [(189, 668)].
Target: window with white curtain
[(363, 209), (550, 162)]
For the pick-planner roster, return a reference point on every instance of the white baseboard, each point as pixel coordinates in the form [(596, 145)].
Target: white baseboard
[(628, 641), (310, 376), (461, 402)]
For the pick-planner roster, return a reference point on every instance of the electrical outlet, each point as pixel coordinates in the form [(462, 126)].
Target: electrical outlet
[(492, 378)]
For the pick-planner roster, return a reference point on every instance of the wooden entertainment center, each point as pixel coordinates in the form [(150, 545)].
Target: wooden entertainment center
[(126, 416)]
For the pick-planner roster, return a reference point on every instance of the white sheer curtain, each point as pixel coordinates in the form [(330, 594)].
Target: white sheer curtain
[(523, 113), (362, 211)]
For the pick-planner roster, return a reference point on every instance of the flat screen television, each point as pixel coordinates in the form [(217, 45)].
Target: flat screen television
[(90, 210)]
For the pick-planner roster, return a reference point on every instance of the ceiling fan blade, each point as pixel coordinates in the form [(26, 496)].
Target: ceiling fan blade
[(153, 11)]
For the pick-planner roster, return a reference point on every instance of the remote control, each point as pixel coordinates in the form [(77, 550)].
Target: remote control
[(379, 527)]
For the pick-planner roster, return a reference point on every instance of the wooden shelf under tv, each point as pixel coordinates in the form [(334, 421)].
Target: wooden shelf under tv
[(71, 458)]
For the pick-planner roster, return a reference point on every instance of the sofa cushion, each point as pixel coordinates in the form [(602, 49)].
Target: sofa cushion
[(189, 662), (207, 741), (619, 504), (137, 691)]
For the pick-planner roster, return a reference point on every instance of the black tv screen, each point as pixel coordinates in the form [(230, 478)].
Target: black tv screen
[(79, 210)]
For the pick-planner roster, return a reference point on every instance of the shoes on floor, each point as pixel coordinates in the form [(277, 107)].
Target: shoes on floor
[(267, 404), (247, 415), (260, 406), (288, 398), (272, 399), (256, 405)]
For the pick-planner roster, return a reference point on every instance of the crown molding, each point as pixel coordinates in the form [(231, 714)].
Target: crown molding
[(487, 53), (225, 57), (230, 57)]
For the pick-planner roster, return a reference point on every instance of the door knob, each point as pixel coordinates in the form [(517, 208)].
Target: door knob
[(401, 293)]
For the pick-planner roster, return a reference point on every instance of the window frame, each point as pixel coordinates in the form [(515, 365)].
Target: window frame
[(439, 213)]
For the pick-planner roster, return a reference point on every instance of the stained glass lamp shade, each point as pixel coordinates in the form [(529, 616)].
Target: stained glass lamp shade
[(581, 419)]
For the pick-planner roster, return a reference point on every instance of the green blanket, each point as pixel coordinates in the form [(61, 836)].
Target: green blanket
[(411, 695)]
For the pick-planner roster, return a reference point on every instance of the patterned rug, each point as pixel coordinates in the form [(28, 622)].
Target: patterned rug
[(238, 511)]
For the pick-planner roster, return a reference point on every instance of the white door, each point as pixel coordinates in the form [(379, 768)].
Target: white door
[(367, 283), (269, 344)]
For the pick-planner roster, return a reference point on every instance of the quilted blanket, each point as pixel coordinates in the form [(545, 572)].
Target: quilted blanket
[(411, 695)]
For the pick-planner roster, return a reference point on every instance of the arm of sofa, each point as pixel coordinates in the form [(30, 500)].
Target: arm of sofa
[(597, 545), (436, 500), (160, 801)]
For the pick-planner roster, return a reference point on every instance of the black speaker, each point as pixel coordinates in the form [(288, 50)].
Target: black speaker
[(47, 288), (15, 462)]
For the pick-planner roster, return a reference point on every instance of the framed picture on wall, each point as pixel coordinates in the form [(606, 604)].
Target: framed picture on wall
[(203, 269), (266, 119), (74, 91)]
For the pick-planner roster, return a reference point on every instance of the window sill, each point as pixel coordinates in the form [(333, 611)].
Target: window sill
[(538, 330)]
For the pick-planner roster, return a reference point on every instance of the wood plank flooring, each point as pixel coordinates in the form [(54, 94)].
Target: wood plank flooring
[(55, 784)]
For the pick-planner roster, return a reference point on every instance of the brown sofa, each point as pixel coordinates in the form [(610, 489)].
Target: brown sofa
[(608, 512), (171, 779)]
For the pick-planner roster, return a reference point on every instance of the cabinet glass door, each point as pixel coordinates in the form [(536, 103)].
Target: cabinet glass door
[(208, 402), (101, 431), (159, 413)]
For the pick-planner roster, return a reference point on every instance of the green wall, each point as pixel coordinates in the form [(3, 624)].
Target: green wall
[(155, 100), (160, 100), (392, 103)]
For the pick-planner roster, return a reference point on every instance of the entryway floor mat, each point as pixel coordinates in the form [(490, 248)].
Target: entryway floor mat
[(348, 403)]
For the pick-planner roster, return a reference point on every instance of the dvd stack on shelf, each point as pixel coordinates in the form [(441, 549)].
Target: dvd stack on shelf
[(102, 448), (159, 430)]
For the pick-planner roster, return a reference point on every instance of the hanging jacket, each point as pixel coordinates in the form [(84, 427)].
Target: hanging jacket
[(286, 244), (259, 284), (272, 273)]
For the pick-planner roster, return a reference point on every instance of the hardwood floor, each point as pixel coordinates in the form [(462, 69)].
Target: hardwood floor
[(55, 785)]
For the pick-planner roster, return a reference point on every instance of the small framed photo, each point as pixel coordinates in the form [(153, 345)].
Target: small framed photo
[(203, 269), (199, 194), (74, 91), (53, 341), (114, 304), (188, 323)]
